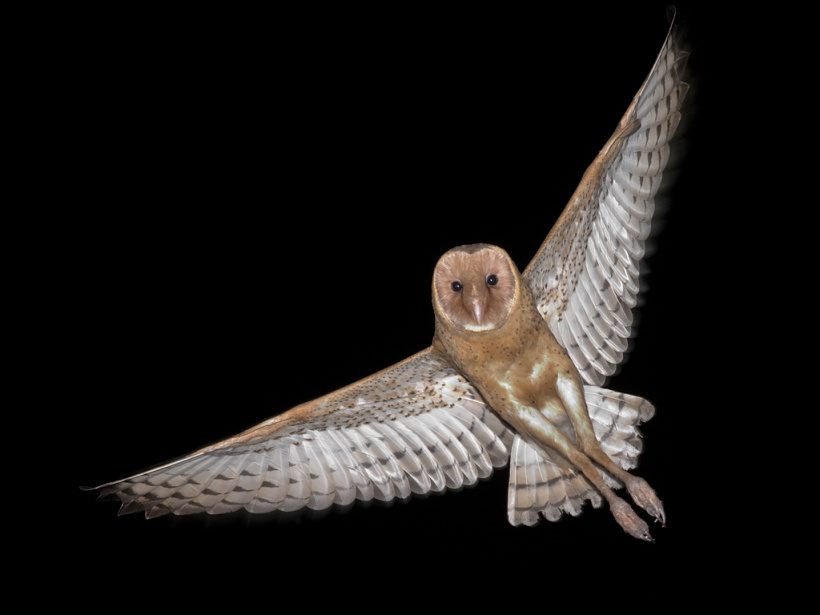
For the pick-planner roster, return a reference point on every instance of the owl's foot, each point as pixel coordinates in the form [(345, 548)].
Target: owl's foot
[(644, 496), (631, 523)]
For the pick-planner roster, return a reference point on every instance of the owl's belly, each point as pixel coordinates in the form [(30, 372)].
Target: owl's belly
[(534, 393), (532, 385)]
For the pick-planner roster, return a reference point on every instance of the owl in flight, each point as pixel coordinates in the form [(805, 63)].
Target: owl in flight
[(514, 374)]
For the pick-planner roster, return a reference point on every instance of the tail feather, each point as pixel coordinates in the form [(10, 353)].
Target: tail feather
[(541, 482), (615, 418)]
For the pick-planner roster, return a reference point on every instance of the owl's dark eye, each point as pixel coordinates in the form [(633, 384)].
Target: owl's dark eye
[(492, 279), (456, 286)]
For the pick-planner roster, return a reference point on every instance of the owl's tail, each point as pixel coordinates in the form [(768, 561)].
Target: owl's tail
[(542, 481)]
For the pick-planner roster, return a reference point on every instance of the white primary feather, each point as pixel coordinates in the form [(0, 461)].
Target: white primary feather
[(585, 275), (414, 428)]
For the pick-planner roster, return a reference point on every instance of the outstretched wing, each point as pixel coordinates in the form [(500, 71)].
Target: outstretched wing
[(585, 275), (415, 427)]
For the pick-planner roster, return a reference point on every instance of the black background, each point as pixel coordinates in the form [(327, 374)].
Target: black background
[(267, 195)]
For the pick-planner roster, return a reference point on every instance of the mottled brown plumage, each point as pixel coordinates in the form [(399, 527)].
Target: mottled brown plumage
[(513, 374), (519, 368)]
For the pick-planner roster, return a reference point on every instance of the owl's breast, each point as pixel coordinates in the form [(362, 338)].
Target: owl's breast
[(514, 367), (530, 382)]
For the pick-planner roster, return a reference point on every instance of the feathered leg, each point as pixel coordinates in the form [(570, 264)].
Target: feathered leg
[(572, 396), (542, 430)]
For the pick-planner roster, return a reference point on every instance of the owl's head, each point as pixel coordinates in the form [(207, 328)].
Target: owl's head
[(475, 287)]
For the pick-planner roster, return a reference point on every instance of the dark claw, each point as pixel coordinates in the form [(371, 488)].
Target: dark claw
[(631, 523)]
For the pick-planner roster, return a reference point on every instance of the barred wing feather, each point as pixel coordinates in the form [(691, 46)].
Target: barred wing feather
[(585, 275), (416, 427)]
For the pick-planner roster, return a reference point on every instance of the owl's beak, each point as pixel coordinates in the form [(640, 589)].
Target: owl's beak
[(476, 303), (478, 308)]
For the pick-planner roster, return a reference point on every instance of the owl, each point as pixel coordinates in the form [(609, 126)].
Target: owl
[(514, 375)]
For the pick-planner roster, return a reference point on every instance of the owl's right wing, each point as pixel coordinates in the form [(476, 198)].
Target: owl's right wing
[(415, 427), (585, 275)]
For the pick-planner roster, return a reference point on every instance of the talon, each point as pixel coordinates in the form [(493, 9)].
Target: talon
[(645, 497), (657, 515), (631, 523)]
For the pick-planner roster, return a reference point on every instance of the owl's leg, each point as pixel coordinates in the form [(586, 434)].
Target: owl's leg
[(530, 421), (643, 495)]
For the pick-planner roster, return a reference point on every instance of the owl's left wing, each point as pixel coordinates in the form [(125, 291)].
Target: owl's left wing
[(415, 427), (585, 275)]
